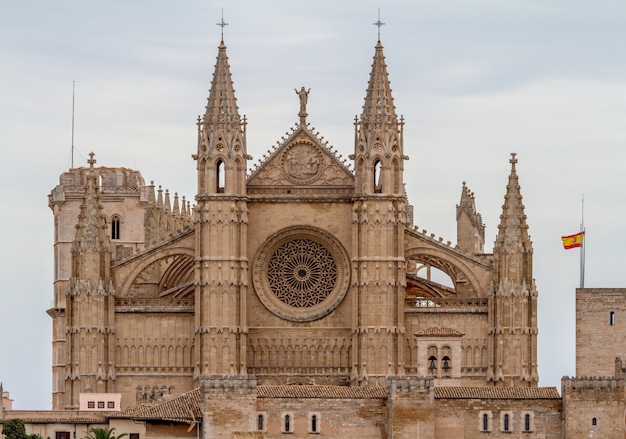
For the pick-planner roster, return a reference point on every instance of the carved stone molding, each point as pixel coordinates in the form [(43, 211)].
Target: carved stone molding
[(302, 163)]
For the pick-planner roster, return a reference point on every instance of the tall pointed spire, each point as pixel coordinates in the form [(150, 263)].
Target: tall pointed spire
[(379, 150), (222, 112), (513, 308), (221, 136), (91, 246), (379, 106), (513, 247)]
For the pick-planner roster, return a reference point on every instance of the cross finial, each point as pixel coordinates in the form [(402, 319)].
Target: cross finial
[(91, 160), (379, 24), (222, 23), (513, 160)]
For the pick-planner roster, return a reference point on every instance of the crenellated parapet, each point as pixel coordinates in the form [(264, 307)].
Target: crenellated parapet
[(603, 384)]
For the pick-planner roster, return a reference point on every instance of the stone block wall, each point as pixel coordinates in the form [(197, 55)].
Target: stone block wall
[(411, 407), (593, 407), (600, 330), (463, 418)]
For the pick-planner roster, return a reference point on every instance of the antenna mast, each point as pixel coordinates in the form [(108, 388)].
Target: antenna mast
[(73, 83)]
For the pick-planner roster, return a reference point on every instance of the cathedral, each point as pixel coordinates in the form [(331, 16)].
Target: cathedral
[(294, 297)]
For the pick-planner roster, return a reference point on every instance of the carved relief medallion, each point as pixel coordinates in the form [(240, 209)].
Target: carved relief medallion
[(301, 273), (302, 163)]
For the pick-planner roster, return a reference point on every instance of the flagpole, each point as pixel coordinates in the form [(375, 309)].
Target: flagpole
[(582, 247)]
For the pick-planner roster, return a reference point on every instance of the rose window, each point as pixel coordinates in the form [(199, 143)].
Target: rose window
[(301, 273)]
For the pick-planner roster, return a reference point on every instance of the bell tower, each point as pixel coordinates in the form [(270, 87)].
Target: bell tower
[(221, 225), (379, 220), (513, 303)]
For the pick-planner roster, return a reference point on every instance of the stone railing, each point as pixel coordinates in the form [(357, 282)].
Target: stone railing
[(299, 371), (441, 302)]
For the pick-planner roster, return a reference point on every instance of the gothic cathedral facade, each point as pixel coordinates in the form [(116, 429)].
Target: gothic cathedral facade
[(302, 274)]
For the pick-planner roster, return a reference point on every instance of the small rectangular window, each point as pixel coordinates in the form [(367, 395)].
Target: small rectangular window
[(91, 404), (62, 435), (133, 436), (100, 404), (110, 404)]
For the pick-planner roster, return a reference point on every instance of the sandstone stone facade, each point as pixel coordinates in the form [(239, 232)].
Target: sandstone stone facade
[(297, 298)]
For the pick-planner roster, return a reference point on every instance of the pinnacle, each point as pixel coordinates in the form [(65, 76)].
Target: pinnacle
[(378, 100), (221, 109), (513, 228)]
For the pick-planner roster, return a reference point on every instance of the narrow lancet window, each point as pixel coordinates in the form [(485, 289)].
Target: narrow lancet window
[(220, 177), (377, 177), (115, 227)]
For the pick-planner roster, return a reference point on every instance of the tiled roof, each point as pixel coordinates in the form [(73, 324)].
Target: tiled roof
[(496, 393), (446, 332), (308, 391), (61, 420), (184, 408)]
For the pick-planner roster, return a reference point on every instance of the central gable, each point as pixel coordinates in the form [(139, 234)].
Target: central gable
[(302, 163)]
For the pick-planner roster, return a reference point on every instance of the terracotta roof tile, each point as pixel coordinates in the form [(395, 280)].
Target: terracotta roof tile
[(308, 391), (496, 393), (185, 407), (52, 420)]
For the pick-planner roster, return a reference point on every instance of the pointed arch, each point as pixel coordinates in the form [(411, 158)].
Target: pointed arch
[(377, 172), (220, 176), (202, 173), (396, 172)]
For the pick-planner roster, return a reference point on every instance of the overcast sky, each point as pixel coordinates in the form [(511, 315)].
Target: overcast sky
[(475, 81)]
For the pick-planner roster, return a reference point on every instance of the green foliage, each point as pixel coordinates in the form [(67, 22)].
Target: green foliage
[(104, 433), (14, 429), (35, 436)]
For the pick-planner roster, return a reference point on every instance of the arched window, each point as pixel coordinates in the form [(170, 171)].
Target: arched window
[(485, 426), (612, 318), (506, 426), (287, 423), (314, 424), (378, 188), (527, 422), (115, 227), (594, 421), (447, 366), (219, 177), (259, 423)]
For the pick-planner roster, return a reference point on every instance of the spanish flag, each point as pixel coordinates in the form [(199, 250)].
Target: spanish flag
[(573, 241)]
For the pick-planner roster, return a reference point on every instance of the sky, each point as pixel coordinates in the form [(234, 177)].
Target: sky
[(475, 81)]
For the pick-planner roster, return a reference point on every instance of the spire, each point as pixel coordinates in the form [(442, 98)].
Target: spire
[(221, 152), (222, 112), (379, 150), (91, 246), (470, 227), (379, 106), (513, 247)]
